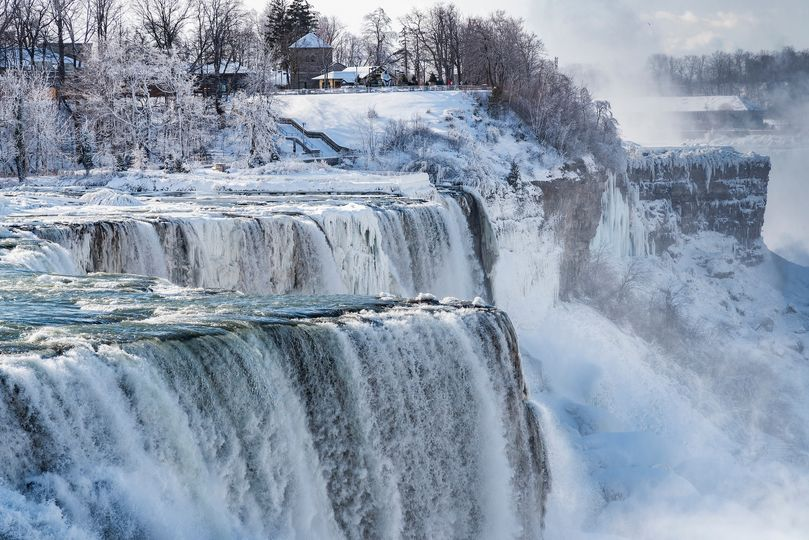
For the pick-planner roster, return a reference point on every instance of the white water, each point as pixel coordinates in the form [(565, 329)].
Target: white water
[(406, 423), (358, 249)]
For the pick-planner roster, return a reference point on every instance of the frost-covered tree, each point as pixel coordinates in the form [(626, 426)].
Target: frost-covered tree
[(254, 128), (31, 131), (140, 103)]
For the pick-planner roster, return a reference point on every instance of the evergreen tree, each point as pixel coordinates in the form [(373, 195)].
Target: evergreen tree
[(300, 19), (275, 31)]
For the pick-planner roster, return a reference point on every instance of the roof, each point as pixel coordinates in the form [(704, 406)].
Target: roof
[(310, 41), (685, 104), (10, 58), (351, 74), (231, 68)]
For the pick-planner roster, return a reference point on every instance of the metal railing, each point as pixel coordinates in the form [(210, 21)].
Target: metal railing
[(381, 89), (316, 135)]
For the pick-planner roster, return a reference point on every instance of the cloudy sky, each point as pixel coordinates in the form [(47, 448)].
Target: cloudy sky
[(586, 31)]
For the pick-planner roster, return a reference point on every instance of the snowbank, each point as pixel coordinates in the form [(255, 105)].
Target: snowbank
[(331, 181), (109, 197)]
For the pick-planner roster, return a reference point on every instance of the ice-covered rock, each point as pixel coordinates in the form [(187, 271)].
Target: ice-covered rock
[(692, 189), (110, 197)]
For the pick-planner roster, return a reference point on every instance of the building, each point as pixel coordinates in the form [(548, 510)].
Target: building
[(355, 76), (232, 77), (309, 57), (43, 59), (702, 113)]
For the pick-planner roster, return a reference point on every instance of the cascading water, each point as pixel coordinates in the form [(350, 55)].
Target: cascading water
[(403, 247), (211, 416)]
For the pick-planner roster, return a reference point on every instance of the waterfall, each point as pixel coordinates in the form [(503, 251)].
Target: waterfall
[(392, 246), (406, 422)]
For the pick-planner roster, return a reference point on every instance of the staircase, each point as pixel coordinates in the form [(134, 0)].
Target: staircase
[(315, 145)]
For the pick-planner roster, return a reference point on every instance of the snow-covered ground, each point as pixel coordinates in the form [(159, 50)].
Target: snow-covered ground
[(345, 117), (276, 178)]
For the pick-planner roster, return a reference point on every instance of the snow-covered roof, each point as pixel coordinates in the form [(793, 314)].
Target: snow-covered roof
[(310, 41), (697, 104), (348, 77), (351, 74), (10, 57), (231, 68)]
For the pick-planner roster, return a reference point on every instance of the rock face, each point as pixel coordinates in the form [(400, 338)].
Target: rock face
[(573, 208), (688, 190)]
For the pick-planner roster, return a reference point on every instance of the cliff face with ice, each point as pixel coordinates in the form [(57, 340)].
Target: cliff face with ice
[(689, 190)]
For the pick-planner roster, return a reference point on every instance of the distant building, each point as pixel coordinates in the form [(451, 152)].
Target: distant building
[(44, 58), (355, 76), (309, 57), (232, 77), (704, 113)]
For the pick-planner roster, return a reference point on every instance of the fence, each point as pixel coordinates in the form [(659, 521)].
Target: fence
[(374, 89)]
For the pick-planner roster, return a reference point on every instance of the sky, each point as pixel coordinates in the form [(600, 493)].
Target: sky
[(591, 31)]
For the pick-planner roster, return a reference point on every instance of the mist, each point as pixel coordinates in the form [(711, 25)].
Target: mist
[(732, 471), (606, 46)]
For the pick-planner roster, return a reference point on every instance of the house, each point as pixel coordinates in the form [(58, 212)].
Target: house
[(43, 58), (309, 56), (703, 113), (355, 76), (232, 77), (75, 53)]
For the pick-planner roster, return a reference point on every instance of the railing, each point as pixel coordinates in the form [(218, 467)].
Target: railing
[(299, 142), (376, 89), (316, 135)]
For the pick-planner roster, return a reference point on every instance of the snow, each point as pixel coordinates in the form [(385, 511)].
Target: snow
[(352, 74), (231, 68), (710, 158), (344, 117), (315, 179), (109, 197), (347, 76), (643, 443)]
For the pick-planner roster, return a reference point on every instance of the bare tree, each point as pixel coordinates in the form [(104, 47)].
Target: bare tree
[(413, 25), (162, 21), (330, 29), (103, 17), (8, 12), (219, 26), (378, 34), (62, 16), (29, 26)]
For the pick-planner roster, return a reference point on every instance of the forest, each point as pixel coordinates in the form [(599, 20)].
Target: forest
[(774, 80)]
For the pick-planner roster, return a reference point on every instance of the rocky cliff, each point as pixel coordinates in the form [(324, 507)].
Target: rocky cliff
[(689, 190)]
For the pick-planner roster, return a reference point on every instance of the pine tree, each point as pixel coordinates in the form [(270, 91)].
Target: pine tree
[(300, 19), (275, 31)]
